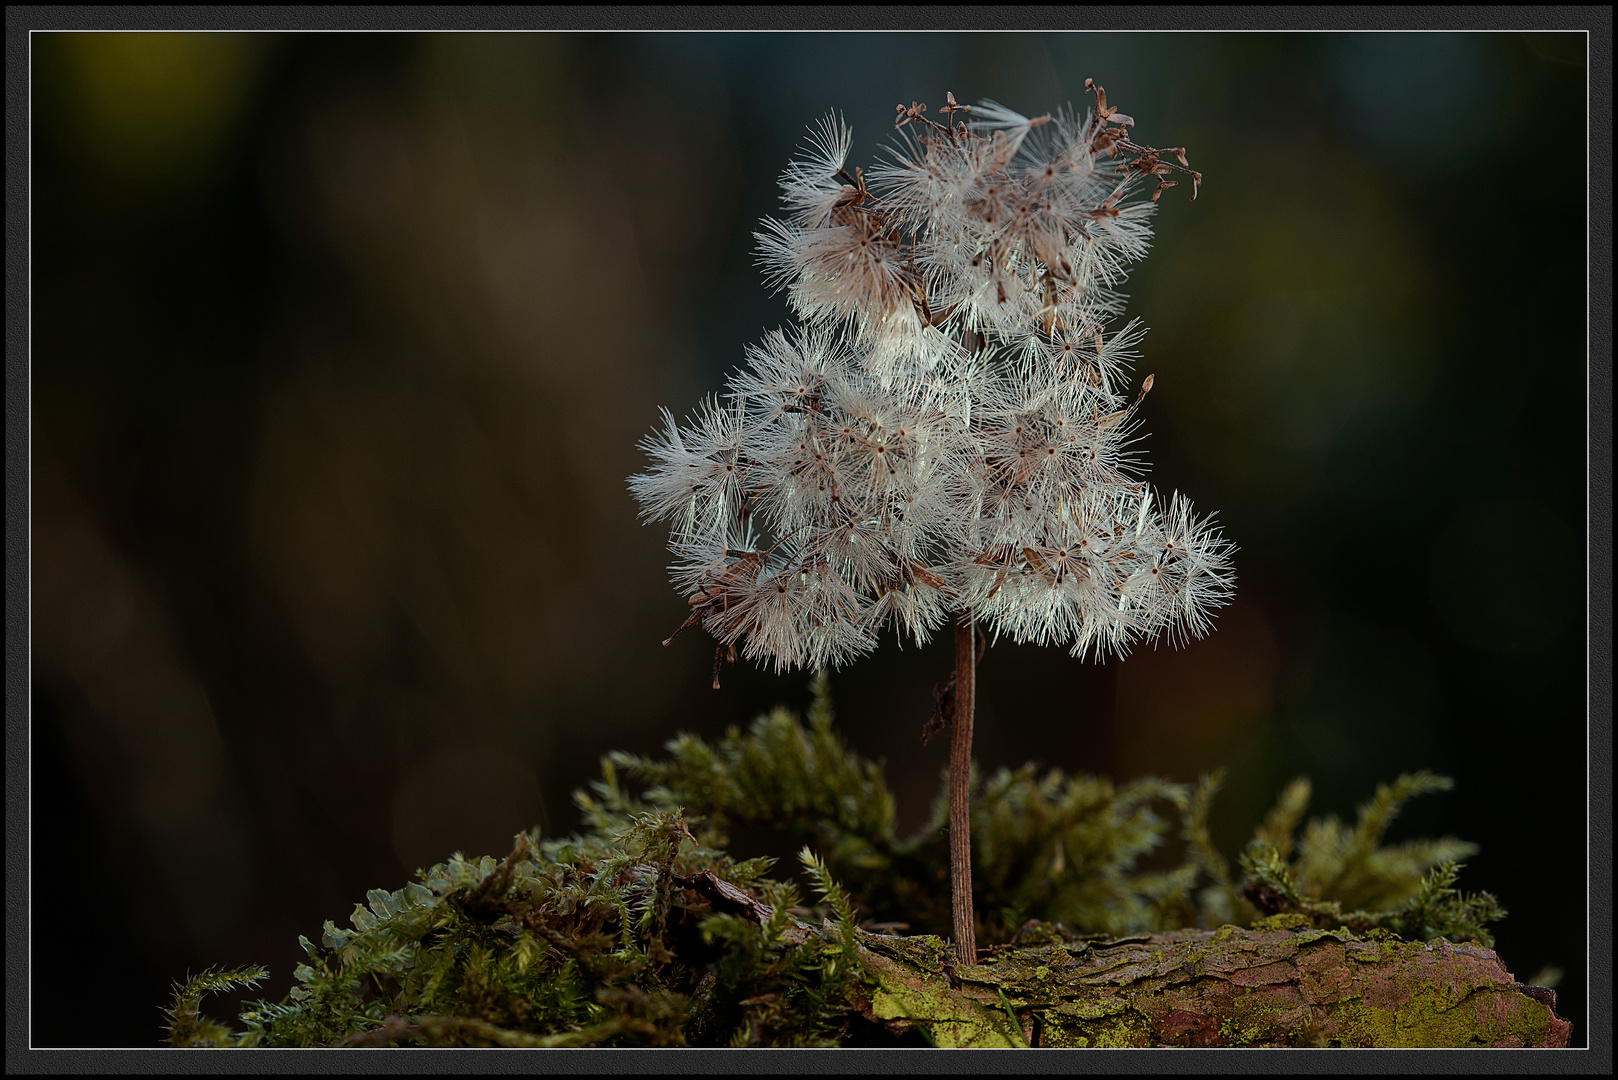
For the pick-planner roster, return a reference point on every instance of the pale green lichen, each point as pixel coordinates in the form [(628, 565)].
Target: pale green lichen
[(1401, 994)]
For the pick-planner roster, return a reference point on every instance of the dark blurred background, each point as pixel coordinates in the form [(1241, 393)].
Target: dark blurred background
[(342, 346)]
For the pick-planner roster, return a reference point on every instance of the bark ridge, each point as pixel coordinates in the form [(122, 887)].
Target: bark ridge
[(1269, 986)]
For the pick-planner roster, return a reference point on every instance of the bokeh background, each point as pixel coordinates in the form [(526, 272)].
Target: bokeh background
[(342, 346)]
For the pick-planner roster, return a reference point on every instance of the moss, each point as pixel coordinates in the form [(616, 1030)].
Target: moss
[(643, 931)]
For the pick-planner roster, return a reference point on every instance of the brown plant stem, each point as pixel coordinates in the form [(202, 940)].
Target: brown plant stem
[(960, 779)]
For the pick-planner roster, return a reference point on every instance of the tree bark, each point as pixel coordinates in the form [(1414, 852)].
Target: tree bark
[(1225, 987), (960, 782)]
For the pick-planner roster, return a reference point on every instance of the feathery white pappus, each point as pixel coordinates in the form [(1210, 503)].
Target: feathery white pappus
[(949, 430)]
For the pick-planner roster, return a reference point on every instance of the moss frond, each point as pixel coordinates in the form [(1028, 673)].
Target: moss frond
[(832, 895), (1282, 821), (1440, 910), (186, 1024), (1344, 876)]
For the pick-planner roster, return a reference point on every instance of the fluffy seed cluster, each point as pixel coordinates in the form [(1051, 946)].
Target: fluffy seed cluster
[(949, 428)]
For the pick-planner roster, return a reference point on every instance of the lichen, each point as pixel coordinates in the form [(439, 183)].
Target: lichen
[(1231, 987)]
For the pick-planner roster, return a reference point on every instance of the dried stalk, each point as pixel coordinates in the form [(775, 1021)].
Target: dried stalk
[(960, 781)]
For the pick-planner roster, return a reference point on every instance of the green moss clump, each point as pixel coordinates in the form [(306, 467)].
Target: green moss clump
[(640, 937), (1059, 848), (643, 931), (1340, 876)]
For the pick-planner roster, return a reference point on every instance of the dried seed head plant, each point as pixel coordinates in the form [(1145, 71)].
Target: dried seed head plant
[(949, 431)]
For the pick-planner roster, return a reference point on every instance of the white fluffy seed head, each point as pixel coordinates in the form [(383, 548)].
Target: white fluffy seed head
[(950, 429)]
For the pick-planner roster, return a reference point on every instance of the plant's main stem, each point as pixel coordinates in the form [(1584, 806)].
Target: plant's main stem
[(960, 780)]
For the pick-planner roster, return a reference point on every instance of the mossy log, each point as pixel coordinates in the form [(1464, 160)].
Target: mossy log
[(629, 952), (1228, 987)]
